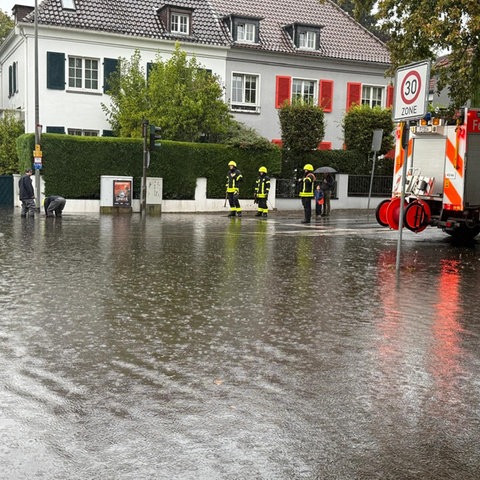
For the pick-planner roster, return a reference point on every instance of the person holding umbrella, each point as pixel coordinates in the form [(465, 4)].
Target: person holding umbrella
[(327, 186)]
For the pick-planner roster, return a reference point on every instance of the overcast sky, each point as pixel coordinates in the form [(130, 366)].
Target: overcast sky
[(7, 5)]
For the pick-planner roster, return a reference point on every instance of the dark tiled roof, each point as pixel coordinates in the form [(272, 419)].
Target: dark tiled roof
[(341, 37), (137, 18)]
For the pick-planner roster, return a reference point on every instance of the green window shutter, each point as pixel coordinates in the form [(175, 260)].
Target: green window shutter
[(109, 67), (56, 71), (55, 129), (150, 66), (10, 81)]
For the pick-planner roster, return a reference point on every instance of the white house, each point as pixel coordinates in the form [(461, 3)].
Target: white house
[(265, 51)]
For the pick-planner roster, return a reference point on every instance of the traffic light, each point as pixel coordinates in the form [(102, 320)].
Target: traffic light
[(155, 135)]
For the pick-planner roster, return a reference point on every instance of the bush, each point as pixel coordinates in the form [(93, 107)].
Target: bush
[(73, 165)]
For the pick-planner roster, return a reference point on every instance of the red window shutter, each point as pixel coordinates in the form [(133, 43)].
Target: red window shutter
[(324, 146), (389, 96), (354, 94), (283, 89), (326, 95), (277, 141)]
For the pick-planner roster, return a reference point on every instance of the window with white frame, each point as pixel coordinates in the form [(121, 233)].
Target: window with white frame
[(246, 32), (372, 96), (245, 88), (83, 73), (82, 133), (307, 40), (303, 91), (68, 4), (180, 23)]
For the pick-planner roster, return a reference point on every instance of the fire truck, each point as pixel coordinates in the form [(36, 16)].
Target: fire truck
[(442, 184)]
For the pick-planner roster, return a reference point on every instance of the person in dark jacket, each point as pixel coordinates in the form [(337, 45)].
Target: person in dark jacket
[(234, 178), (54, 205), (262, 187), (328, 183), (306, 191), (27, 194)]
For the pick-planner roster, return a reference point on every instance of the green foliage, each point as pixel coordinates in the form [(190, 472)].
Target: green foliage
[(10, 130), (344, 161), (359, 123), (421, 29), (73, 165), (180, 96), (241, 136), (6, 25), (302, 125)]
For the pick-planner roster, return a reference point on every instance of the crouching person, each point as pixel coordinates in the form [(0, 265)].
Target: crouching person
[(54, 205)]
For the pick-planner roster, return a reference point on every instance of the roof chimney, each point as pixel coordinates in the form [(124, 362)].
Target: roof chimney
[(20, 12)]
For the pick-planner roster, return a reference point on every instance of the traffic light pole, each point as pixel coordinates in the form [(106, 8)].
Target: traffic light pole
[(146, 153)]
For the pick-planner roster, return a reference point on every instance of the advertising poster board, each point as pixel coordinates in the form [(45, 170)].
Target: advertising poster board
[(122, 193)]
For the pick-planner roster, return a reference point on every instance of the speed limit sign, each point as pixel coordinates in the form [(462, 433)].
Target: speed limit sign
[(411, 91)]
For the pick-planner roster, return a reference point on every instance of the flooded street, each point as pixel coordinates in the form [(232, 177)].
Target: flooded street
[(203, 347)]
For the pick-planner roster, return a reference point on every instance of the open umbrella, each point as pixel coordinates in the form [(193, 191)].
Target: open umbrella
[(325, 170)]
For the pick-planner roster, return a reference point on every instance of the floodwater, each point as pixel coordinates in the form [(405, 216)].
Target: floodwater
[(202, 347)]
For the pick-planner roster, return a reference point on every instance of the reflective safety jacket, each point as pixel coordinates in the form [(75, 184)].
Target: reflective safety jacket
[(234, 178), (262, 187), (307, 185)]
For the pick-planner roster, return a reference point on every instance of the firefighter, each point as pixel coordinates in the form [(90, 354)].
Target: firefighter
[(234, 178), (307, 191), (262, 187)]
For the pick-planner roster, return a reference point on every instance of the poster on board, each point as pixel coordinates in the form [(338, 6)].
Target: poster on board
[(122, 193)]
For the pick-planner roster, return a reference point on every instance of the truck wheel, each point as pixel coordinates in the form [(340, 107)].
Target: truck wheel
[(464, 232)]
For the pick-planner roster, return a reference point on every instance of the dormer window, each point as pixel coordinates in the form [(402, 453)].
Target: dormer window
[(307, 40), (176, 20), (246, 32), (180, 23), (68, 4), (244, 29), (304, 37)]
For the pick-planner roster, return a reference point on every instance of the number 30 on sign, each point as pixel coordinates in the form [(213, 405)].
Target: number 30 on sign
[(411, 91)]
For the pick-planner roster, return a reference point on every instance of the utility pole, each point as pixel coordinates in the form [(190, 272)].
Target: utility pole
[(37, 153), (146, 155)]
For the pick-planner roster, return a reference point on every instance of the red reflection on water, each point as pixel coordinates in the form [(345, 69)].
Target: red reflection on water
[(446, 350), (390, 321)]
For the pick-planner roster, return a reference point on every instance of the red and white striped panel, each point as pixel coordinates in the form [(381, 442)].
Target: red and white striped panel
[(399, 159), (453, 183)]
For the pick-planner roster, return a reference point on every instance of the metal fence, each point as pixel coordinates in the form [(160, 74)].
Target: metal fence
[(358, 186)]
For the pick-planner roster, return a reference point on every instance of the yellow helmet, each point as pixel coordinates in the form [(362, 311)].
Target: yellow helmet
[(263, 169), (308, 167), (232, 163)]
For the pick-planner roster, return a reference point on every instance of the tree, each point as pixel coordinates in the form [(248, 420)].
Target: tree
[(180, 96), (358, 126), (303, 128), (6, 25), (10, 130), (302, 125), (420, 29), (359, 123)]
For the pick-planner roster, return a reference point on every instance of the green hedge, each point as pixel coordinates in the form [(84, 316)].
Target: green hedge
[(344, 161), (72, 165)]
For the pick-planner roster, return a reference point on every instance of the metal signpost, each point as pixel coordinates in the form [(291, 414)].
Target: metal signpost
[(410, 103), (376, 146)]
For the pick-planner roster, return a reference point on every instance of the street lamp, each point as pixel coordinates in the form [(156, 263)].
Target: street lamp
[(37, 114)]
